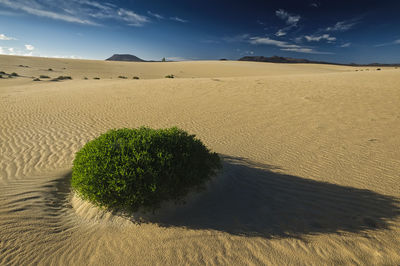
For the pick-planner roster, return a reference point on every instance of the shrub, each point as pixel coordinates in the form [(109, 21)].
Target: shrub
[(61, 78), (128, 169), (85, 78), (122, 77), (36, 79), (3, 73), (50, 69), (44, 77), (14, 75), (135, 77), (1, 76), (378, 69), (96, 78), (170, 76)]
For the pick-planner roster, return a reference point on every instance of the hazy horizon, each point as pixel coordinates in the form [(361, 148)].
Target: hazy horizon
[(339, 32)]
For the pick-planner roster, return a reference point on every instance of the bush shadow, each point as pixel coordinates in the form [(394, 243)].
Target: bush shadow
[(251, 199)]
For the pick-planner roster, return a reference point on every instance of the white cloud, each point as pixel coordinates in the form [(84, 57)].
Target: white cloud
[(11, 50), (316, 5), (280, 33), (289, 19), (34, 8), (388, 43), (132, 18), (285, 46), (304, 50), (29, 47), (157, 16), (3, 37), (346, 44), (178, 19), (237, 38), (314, 38), (343, 25), (1, 50), (77, 11), (268, 41)]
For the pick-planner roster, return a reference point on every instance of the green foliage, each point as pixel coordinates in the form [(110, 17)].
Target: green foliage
[(122, 77), (50, 69), (14, 74), (96, 78), (170, 76), (36, 79), (44, 77), (163, 60), (135, 77), (128, 169)]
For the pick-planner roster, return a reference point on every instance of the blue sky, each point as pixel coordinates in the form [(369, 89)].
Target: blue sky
[(336, 31)]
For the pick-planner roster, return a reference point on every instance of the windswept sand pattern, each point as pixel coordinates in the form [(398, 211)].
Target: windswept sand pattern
[(311, 165)]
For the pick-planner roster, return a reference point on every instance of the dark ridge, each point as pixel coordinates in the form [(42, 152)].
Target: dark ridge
[(280, 59), (125, 58)]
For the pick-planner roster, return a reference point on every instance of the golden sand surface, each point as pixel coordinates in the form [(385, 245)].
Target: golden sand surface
[(311, 163)]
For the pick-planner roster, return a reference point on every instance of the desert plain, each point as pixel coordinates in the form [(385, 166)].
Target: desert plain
[(311, 162)]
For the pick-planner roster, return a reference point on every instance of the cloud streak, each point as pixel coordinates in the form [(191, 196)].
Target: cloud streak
[(178, 19), (290, 20), (83, 12), (3, 37), (343, 25), (284, 46), (315, 38)]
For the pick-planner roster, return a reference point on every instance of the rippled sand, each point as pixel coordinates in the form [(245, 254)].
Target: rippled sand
[(311, 163)]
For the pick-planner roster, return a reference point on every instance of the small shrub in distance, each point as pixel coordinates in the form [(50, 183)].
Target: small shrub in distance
[(14, 75), (61, 78), (50, 69), (1, 76), (378, 69), (96, 78), (36, 79), (170, 76), (122, 77), (3, 73), (135, 77), (44, 77), (131, 169)]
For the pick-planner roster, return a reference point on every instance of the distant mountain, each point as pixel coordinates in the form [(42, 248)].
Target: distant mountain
[(125, 57), (275, 59), (280, 59)]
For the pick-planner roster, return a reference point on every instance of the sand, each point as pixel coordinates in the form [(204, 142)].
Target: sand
[(311, 163)]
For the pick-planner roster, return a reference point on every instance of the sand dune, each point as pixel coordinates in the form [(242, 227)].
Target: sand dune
[(311, 163)]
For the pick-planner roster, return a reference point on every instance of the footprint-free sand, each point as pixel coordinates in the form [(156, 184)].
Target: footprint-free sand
[(311, 163)]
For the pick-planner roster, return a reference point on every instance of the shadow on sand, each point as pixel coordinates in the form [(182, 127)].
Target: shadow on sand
[(250, 199)]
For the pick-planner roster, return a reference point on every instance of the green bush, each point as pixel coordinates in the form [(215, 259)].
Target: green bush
[(96, 78), (128, 169), (135, 77), (170, 76), (122, 77), (14, 74)]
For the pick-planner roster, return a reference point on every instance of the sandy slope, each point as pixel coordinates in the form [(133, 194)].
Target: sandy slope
[(311, 163)]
